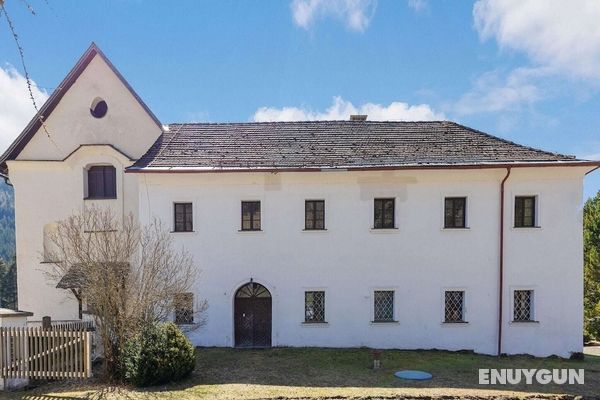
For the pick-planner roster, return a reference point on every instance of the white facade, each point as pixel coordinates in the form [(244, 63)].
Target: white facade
[(418, 260)]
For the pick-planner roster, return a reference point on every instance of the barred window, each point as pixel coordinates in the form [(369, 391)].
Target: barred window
[(183, 217), (314, 214), (454, 307), (383, 304), (524, 211), (523, 305), (384, 214), (314, 306), (184, 308), (454, 212), (251, 215)]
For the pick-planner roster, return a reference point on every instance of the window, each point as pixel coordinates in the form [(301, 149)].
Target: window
[(383, 306), (183, 217), (314, 306), (184, 308), (314, 214), (251, 215), (454, 306), (98, 108), (384, 214), (523, 305), (524, 211), (102, 182), (454, 212)]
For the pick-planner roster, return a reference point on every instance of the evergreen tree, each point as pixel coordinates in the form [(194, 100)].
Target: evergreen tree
[(591, 251)]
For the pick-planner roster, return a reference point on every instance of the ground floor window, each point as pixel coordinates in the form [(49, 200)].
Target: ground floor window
[(314, 306), (523, 305), (454, 306), (184, 308), (383, 306)]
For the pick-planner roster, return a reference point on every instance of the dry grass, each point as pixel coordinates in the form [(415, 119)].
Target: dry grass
[(338, 373)]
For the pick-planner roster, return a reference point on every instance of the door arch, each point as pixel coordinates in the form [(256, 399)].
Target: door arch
[(252, 316)]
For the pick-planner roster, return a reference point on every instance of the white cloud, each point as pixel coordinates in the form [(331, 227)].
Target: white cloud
[(558, 34), (341, 109), (356, 14), (418, 5), (493, 92), (16, 108)]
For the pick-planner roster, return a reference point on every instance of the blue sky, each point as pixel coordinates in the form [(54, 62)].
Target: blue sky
[(524, 70)]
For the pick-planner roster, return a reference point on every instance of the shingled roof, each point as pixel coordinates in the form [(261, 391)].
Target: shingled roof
[(332, 144)]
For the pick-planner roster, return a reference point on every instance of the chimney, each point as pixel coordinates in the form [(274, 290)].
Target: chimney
[(358, 117)]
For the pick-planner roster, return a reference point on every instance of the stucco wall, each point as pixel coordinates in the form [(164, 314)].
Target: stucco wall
[(419, 260)]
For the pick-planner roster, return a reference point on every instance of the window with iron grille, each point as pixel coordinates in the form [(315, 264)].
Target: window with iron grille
[(314, 306), (454, 212), (314, 214), (183, 217), (524, 211), (384, 214), (383, 306), (251, 215), (523, 305), (454, 306), (184, 308), (102, 182)]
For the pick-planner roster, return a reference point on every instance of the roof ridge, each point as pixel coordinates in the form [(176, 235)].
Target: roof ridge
[(309, 122)]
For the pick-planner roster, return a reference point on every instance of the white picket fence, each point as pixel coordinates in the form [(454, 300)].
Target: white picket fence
[(58, 353)]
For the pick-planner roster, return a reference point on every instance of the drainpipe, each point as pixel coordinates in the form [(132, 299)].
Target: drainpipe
[(501, 277)]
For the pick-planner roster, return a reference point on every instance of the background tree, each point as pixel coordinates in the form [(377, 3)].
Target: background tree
[(591, 247), (127, 275)]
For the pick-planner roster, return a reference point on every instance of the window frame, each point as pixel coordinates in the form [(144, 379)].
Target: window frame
[(177, 309), (314, 211), (464, 216), (252, 220), (535, 212), (532, 304), (184, 203), (104, 195), (383, 225), (386, 320), (463, 320), (324, 305)]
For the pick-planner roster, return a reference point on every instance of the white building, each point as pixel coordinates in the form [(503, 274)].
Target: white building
[(411, 235)]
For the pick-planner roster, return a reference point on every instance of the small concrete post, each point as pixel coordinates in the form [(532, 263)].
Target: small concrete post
[(13, 319)]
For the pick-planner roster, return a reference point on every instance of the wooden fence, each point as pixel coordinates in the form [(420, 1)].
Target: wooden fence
[(58, 353)]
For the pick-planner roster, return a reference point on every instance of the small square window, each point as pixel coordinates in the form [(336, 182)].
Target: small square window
[(184, 220), (314, 306), (102, 182), (454, 212), (383, 306), (384, 214), (251, 215), (314, 215), (525, 211), (184, 308), (454, 306), (523, 305)]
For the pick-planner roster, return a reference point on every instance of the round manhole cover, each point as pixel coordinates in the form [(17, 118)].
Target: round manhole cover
[(413, 375)]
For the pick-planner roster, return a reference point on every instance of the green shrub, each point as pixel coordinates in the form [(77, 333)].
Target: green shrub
[(160, 354)]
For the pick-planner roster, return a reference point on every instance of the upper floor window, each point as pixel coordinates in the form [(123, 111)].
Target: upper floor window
[(523, 305), (525, 211), (183, 217), (454, 212), (384, 214), (454, 306), (314, 214), (102, 182), (184, 308), (383, 306), (251, 215), (314, 306)]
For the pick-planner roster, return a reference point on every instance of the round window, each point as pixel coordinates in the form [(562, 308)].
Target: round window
[(98, 108)]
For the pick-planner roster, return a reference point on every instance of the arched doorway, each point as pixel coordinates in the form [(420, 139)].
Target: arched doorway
[(252, 316)]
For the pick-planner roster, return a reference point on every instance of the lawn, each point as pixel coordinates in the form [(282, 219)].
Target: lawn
[(333, 373)]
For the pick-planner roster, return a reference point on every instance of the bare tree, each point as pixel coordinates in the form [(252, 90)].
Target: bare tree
[(128, 275)]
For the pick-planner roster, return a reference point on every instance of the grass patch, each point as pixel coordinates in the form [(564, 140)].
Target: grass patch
[(341, 373)]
